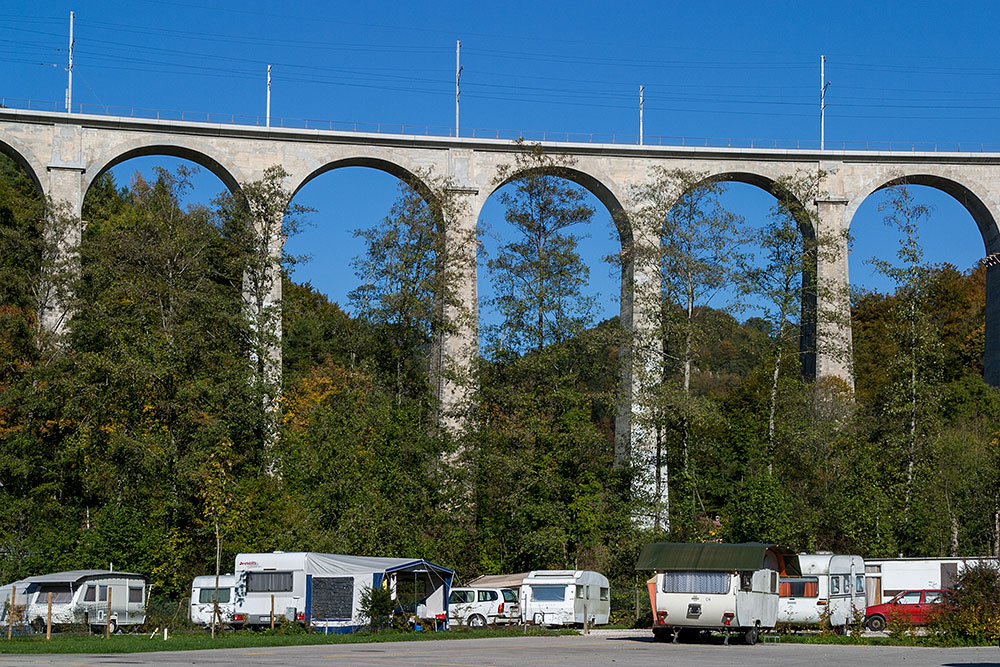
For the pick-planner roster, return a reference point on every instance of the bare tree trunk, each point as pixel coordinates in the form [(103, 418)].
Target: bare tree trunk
[(996, 526), (688, 343), (216, 617), (912, 445), (954, 534)]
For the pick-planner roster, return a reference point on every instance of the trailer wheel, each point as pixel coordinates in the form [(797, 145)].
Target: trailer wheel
[(477, 621), (750, 636), (662, 634), (876, 623)]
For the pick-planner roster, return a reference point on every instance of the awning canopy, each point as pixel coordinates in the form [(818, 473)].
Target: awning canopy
[(74, 576), (717, 557), (499, 580)]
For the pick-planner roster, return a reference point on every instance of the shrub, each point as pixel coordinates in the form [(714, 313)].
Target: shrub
[(376, 607), (974, 613)]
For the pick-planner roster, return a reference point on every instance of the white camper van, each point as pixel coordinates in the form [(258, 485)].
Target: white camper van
[(324, 590), (565, 597), (81, 596), (728, 587), (829, 585), (202, 594)]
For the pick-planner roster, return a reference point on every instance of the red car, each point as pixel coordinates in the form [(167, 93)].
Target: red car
[(915, 607)]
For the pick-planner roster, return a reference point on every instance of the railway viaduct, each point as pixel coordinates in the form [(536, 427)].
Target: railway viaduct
[(65, 153)]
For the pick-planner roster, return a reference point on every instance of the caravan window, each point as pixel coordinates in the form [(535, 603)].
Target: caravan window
[(605, 592), (204, 596), (135, 594), (834, 585), (544, 593), (859, 584), (61, 593), (579, 592), (102, 593), (696, 582), (269, 582), (798, 587), (91, 594)]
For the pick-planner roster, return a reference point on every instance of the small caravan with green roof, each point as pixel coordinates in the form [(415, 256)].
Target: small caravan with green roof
[(705, 587)]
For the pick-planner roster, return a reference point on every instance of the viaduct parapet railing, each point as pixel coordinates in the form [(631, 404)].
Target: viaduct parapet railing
[(554, 136)]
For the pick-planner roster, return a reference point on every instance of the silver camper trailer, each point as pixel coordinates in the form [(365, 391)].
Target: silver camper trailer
[(705, 587), (830, 586), (82, 597), (565, 597)]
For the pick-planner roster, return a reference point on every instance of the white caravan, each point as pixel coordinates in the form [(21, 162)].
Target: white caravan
[(704, 587), (81, 597), (887, 577), (830, 586), (324, 590), (202, 594), (565, 597)]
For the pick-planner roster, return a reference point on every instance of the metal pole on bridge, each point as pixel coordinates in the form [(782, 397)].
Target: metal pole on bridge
[(642, 89), (69, 69), (267, 121), (823, 85), (458, 76)]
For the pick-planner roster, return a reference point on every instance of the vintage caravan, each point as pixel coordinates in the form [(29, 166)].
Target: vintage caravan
[(324, 590), (203, 592), (728, 587), (82, 596), (830, 586), (565, 597)]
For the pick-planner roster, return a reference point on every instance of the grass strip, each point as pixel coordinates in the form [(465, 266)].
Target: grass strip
[(64, 643)]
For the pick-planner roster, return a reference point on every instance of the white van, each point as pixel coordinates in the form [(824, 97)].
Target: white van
[(202, 594), (704, 587), (830, 585), (81, 597), (565, 597)]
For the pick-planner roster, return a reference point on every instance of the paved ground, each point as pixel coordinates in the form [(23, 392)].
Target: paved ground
[(601, 648)]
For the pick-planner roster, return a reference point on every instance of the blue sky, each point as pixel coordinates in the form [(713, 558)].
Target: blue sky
[(915, 72)]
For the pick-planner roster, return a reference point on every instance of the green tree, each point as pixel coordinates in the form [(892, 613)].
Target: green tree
[(539, 276), (409, 282), (914, 377)]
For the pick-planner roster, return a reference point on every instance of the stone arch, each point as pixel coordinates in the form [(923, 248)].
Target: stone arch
[(768, 184), (971, 195), (977, 201), (24, 158), (405, 174), (599, 185), (196, 152)]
